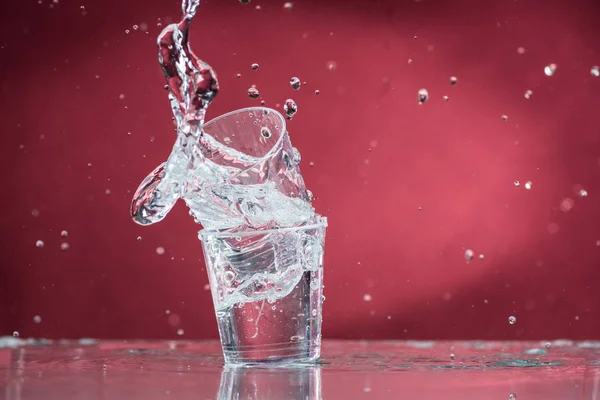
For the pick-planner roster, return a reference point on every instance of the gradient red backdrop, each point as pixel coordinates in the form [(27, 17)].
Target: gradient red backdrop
[(407, 187)]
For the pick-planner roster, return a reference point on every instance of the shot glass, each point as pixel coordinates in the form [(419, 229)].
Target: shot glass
[(267, 289)]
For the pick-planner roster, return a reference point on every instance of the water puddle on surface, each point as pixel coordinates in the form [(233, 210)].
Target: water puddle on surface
[(89, 369)]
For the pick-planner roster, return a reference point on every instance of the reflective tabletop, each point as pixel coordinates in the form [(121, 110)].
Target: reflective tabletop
[(91, 369)]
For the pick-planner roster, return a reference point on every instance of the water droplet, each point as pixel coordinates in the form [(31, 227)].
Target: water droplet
[(517, 183), (548, 345), (595, 71), (528, 185), (469, 254), (528, 94), (550, 69), (139, 238), (253, 93), (254, 66), (295, 83), (180, 332), (245, 1), (481, 256), (367, 297), (35, 212), (160, 250), (104, 367), (512, 396), (422, 96), (16, 334), (512, 320), (229, 276), (290, 108), (410, 61), (39, 244), (521, 50), (583, 193), (288, 5), (314, 312), (64, 233), (64, 246), (445, 98), (331, 65), (207, 287), (317, 91), (453, 80), (127, 31), (504, 117), (238, 75), (37, 319), (295, 338), (135, 27), (452, 356), (273, 308)]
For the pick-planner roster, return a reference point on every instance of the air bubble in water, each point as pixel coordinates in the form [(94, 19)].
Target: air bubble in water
[(160, 250), (583, 193), (16, 334), (367, 297), (453, 80), (229, 276), (331, 65), (37, 319), (180, 332), (512, 396), (265, 132), (295, 83), (288, 5), (504, 117), (528, 185), (135, 27), (253, 93), (517, 183), (64, 234), (238, 75), (595, 71), (127, 31), (39, 244), (445, 98), (422, 95), (452, 356), (290, 108), (317, 91), (528, 94), (254, 66), (314, 312), (512, 320), (64, 246), (550, 69), (548, 345), (469, 254), (139, 238)]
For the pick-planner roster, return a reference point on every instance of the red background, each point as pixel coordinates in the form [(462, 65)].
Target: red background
[(378, 156)]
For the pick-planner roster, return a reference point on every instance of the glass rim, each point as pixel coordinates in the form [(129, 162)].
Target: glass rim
[(204, 233)]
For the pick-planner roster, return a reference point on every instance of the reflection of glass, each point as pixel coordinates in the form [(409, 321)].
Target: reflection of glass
[(267, 288), (270, 384)]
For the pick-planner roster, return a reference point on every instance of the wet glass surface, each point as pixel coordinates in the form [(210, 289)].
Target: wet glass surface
[(89, 369)]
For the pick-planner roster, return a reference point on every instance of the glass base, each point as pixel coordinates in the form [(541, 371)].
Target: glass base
[(279, 354)]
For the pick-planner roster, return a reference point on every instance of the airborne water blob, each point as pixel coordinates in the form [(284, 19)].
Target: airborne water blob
[(290, 108), (422, 96), (295, 83), (512, 320), (550, 69), (595, 71), (253, 93)]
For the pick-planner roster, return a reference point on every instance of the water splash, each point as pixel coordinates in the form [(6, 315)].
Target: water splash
[(192, 85)]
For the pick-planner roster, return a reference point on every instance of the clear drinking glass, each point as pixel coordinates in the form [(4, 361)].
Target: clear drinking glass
[(267, 289)]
